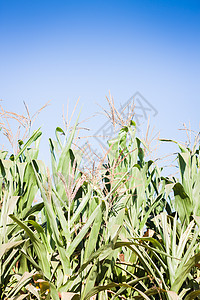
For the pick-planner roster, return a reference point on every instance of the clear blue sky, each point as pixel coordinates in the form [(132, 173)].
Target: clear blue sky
[(59, 50)]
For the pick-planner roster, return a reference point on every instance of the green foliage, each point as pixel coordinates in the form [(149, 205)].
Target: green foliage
[(125, 233)]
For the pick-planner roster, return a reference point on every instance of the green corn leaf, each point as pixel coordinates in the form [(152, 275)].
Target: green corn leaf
[(90, 280), (94, 235), (83, 231), (39, 247), (183, 272), (32, 139), (183, 203)]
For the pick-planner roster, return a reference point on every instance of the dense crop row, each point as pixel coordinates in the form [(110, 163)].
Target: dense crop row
[(120, 232)]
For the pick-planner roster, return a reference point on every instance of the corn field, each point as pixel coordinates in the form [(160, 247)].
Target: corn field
[(119, 231)]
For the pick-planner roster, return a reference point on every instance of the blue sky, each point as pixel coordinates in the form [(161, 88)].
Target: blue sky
[(60, 50)]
